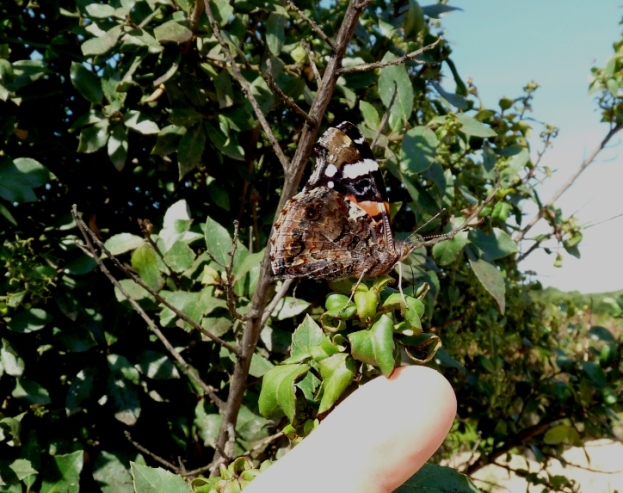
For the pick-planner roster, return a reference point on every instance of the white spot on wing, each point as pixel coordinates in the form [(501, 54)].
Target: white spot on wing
[(330, 184), (331, 157), (330, 171), (360, 168), (360, 140)]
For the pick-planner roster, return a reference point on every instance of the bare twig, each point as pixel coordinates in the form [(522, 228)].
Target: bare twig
[(312, 61), (130, 273), (285, 162), (278, 295), (286, 99), (312, 24), (88, 235), (385, 117), (522, 234), (229, 279), (264, 442), (364, 67), (148, 452)]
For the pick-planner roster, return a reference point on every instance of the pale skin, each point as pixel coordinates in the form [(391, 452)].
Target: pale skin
[(373, 441)]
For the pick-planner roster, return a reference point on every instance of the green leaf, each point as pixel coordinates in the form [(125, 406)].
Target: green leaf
[(277, 397), (10, 429), (62, 473), (289, 307), (31, 391), (495, 246), (156, 366), (419, 148), (337, 373), (100, 11), (102, 44), (144, 262), (250, 262), (179, 257), (29, 321), (224, 89), (157, 480), (275, 32), (208, 422), (259, 366), (139, 122), (112, 474), (12, 362), (437, 10), (561, 434), (218, 241), (432, 478), (446, 252), (191, 149), (93, 137), (123, 242), (474, 128), (118, 145), (370, 115), (124, 398), (490, 277), (168, 140), (307, 335), (414, 20), (81, 390), (86, 82), (22, 468), (172, 32), (19, 177), (219, 196), (403, 105), (595, 373), (375, 346)]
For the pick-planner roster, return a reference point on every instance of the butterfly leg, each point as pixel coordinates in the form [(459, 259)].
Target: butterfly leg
[(404, 301)]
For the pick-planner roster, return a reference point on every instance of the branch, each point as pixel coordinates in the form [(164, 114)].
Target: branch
[(294, 172), (285, 162), (312, 61), (286, 99), (522, 234), (156, 295), (229, 284), (396, 61), (90, 250), (312, 24), (280, 294), (148, 452)]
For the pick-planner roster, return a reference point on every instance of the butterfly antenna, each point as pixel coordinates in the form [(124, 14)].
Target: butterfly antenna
[(420, 228)]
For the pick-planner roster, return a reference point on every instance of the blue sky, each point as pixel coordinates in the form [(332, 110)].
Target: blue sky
[(502, 45)]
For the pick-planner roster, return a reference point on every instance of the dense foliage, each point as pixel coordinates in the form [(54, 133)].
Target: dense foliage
[(134, 111)]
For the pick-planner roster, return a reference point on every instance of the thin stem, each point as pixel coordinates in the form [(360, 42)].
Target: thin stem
[(387, 63), (312, 24), (539, 215), (90, 250), (285, 162), (286, 99), (312, 61)]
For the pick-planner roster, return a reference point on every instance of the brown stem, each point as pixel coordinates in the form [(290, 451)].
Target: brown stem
[(285, 163), (522, 234), (312, 61), (312, 24), (286, 99), (293, 175), (149, 453), (364, 67)]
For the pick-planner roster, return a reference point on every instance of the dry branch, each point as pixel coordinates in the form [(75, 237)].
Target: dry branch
[(396, 61), (312, 24), (612, 132), (286, 99), (285, 163), (89, 250), (312, 62)]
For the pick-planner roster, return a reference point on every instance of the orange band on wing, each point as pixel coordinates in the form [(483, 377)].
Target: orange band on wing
[(372, 208)]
